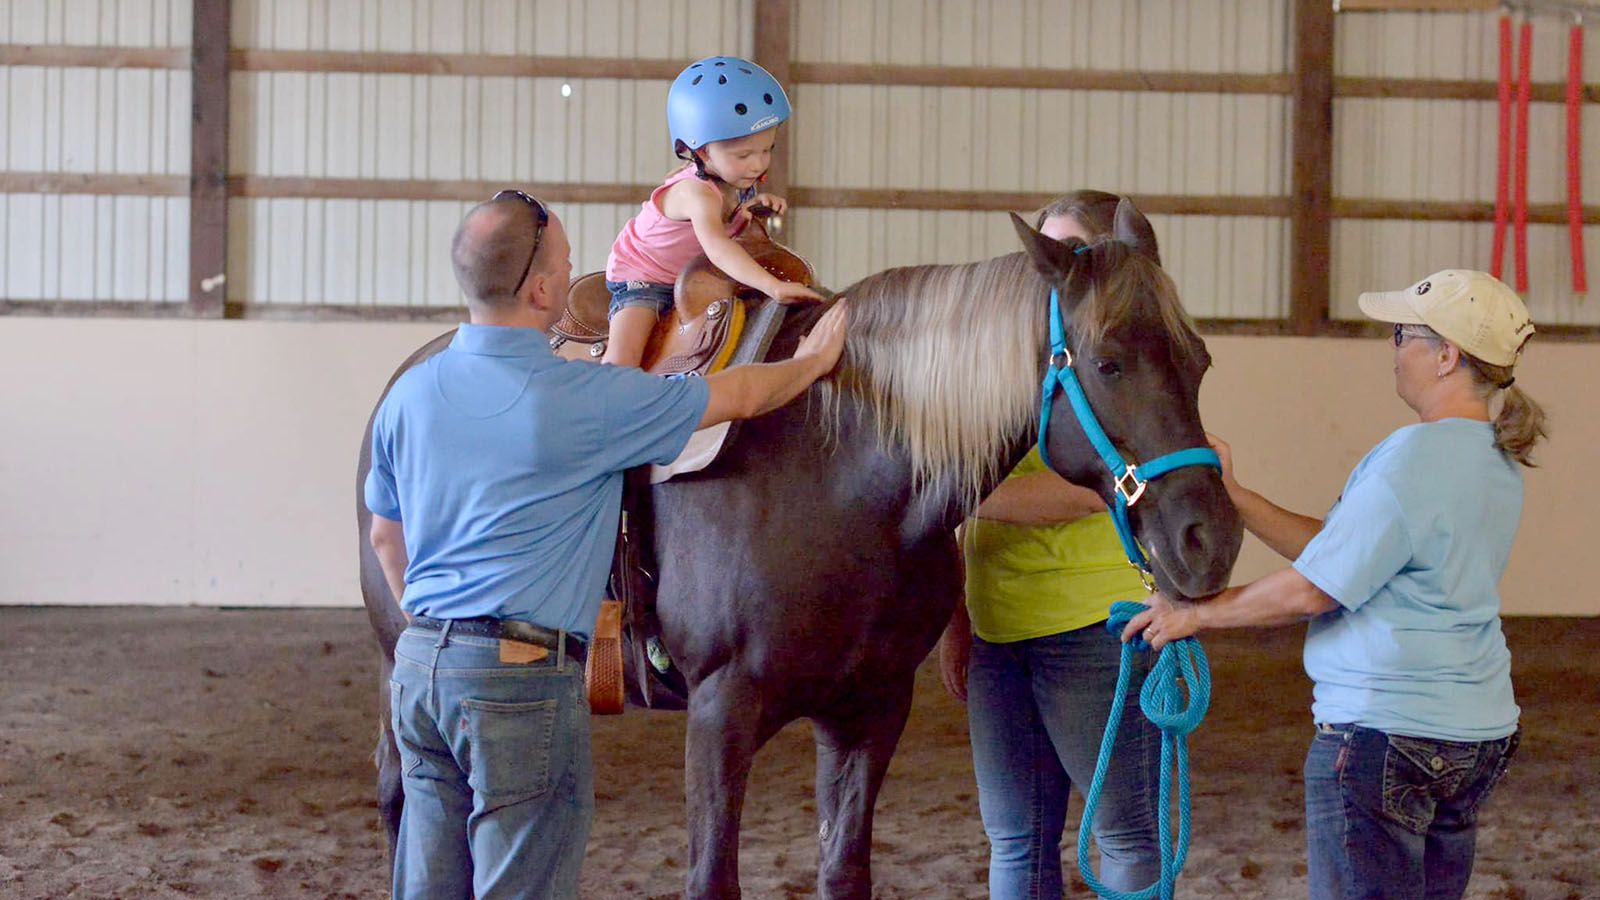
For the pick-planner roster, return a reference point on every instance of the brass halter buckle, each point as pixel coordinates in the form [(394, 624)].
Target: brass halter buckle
[(1131, 495)]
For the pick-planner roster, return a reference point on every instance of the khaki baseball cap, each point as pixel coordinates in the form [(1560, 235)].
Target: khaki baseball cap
[(1473, 310)]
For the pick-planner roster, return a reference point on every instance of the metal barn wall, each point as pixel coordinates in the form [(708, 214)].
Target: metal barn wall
[(1050, 141), (442, 128), (58, 122), (1444, 150)]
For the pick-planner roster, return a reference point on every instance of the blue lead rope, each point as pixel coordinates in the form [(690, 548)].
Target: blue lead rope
[(1161, 697)]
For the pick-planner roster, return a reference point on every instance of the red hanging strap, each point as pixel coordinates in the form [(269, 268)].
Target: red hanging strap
[(1502, 183), (1580, 278), (1519, 221)]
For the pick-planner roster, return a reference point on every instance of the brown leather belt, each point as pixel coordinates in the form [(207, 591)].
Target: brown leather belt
[(511, 630)]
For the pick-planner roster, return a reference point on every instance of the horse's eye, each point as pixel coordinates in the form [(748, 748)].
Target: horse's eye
[(1108, 367)]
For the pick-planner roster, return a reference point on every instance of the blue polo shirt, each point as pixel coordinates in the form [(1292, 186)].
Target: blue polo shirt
[(1413, 552), (504, 464)]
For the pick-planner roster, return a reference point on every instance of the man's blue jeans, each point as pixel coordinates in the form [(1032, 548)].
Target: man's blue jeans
[(1037, 709), (499, 783), (1395, 817)]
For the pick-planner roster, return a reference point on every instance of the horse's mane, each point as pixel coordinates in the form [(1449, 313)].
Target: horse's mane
[(948, 358)]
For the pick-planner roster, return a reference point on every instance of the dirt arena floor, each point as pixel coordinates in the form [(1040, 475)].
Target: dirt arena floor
[(215, 753)]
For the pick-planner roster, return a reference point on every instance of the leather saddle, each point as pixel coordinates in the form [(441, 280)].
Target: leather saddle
[(714, 320), (709, 315)]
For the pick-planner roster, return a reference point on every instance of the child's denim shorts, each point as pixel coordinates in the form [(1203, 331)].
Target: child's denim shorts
[(646, 294)]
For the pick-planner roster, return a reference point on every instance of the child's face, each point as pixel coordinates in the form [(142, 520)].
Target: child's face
[(740, 161)]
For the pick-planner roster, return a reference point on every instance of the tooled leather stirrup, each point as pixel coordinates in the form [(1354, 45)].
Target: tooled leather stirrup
[(602, 670)]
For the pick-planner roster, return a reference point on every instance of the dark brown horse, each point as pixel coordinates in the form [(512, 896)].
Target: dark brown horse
[(809, 572)]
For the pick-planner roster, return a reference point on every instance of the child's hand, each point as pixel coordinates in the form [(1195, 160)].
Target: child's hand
[(789, 292), (771, 201)]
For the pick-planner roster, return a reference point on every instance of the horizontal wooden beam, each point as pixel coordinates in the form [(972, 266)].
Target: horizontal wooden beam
[(1444, 211), (1041, 79), (97, 184), (1003, 201), (94, 57), (258, 186), (97, 309), (1435, 89), (476, 64), (344, 312)]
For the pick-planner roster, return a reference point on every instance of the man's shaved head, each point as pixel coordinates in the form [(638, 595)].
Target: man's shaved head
[(491, 248)]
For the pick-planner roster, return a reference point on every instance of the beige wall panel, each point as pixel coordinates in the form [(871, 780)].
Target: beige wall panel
[(97, 23), (1382, 255), (244, 438), (650, 29), (1170, 35)]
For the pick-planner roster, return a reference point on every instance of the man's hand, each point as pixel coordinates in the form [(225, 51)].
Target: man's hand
[(1224, 453), (825, 342)]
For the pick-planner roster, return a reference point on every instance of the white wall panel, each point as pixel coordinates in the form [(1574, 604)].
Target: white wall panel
[(1450, 46), (97, 23), (1151, 35), (81, 247), (647, 29)]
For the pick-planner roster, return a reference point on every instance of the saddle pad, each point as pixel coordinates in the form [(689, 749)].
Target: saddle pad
[(705, 445)]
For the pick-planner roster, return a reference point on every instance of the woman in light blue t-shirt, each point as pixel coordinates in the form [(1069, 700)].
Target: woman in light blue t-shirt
[(1415, 717)]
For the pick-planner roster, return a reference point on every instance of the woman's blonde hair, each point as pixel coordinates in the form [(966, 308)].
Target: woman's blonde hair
[(1520, 423)]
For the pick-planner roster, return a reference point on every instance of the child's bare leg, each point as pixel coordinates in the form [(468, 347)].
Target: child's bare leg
[(629, 332)]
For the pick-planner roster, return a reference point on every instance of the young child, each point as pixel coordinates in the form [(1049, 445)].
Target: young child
[(723, 113)]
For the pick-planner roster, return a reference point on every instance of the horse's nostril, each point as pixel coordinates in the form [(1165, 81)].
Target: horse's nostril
[(1194, 539)]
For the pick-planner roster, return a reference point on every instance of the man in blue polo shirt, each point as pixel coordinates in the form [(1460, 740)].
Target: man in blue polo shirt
[(495, 490)]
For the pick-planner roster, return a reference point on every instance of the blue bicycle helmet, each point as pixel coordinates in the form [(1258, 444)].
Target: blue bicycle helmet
[(722, 97)]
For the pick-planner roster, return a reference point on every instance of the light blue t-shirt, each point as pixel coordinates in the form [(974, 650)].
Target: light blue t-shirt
[(504, 464), (1413, 552)]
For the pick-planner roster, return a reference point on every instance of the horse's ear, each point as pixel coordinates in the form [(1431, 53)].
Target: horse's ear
[(1133, 229), (1054, 260)]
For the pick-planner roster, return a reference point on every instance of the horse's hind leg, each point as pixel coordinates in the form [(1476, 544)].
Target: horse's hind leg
[(726, 727), (853, 753), (391, 796)]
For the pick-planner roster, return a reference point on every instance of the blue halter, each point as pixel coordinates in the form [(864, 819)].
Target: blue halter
[(1131, 480)]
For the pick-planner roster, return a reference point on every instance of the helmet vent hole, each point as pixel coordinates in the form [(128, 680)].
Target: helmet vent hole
[(722, 79), (697, 79), (740, 108), (719, 63), (746, 71), (768, 98)]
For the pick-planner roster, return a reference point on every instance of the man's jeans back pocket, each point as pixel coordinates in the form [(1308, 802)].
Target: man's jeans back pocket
[(510, 746)]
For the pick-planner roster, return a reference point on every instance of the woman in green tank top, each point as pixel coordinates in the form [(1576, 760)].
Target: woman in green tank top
[(1031, 657)]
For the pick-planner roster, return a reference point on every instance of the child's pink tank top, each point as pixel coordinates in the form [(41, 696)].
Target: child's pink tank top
[(653, 247)]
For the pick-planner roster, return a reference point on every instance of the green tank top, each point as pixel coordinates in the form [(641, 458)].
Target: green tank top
[(1027, 581)]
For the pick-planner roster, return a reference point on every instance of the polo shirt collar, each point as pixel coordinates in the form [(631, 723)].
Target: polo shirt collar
[(499, 340)]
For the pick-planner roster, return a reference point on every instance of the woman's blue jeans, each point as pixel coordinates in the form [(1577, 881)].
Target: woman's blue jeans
[(1037, 709), (1395, 817), (499, 784)]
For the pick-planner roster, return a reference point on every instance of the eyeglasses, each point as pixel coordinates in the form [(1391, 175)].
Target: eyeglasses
[(1401, 332), (543, 217)]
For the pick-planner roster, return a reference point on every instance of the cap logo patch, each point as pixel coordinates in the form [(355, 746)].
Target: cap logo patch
[(1424, 287)]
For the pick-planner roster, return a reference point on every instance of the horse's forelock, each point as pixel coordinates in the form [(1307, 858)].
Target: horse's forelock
[(1113, 293)]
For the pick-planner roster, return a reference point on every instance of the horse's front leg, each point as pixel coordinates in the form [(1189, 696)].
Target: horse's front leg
[(727, 725), (853, 752)]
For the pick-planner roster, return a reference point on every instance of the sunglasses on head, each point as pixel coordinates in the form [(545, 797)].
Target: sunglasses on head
[(542, 216), (1401, 332)]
